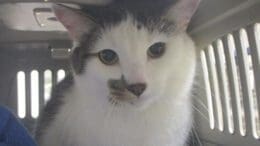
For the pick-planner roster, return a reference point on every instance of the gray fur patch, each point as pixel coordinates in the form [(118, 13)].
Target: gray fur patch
[(80, 54), (52, 108)]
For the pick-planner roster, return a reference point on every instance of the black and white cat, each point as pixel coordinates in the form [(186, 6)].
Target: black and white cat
[(132, 79)]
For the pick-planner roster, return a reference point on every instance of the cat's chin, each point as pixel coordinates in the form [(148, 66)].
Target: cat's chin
[(141, 104), (138, 104)]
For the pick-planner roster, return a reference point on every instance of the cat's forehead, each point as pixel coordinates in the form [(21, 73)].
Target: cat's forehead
[(149, 23), (130, 34)]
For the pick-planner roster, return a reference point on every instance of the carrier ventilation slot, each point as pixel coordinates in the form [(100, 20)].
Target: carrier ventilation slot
[(21, 104), (47, 85), (34, 90), (208, 90), (231, 67), (34, 94)]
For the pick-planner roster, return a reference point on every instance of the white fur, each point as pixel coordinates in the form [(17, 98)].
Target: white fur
[(161, 117)]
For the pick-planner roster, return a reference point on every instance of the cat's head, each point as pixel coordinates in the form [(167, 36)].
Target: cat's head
[(129, 61)]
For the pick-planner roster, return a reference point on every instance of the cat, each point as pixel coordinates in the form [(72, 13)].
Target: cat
[(132, 78)]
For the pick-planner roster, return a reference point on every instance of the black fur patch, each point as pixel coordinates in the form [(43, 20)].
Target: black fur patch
[(52, 108), (193, 139), (146, 12)]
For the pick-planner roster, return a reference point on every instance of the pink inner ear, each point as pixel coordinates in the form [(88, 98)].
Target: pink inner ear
[(183, 12), (60, 14), (70, 20)]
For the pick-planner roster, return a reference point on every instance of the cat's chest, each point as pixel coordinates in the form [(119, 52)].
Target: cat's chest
[(80, 126)]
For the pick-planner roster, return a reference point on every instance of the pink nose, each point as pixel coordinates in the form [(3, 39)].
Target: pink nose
[(137, 89)]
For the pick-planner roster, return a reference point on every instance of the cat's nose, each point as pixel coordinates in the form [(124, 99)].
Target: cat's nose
[(137, 89)]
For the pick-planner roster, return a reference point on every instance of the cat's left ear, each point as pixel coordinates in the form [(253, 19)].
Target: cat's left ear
[(74, 21), (181, 13)]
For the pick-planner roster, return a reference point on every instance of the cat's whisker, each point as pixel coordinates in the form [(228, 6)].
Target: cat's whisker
[(203, 115), (115, 105), (114, 108), (109, 112), (201, 103), (196, 136)]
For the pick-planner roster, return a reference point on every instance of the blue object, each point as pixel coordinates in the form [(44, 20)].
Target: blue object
[(12, 133)]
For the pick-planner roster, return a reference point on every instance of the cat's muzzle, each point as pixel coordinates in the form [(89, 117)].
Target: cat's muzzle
[(121, 92)]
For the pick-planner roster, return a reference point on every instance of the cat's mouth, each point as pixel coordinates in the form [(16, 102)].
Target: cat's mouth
[(116, 98), (119, 93)]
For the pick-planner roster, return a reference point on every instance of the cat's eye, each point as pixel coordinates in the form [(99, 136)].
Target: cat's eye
[(156, 50), (108, 57)]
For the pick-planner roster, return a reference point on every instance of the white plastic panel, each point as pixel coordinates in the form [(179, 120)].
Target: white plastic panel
[(70, 1), (21, 16), (215, 18)]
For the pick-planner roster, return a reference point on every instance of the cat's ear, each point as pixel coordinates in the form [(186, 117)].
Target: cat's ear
[(74, 21), (181, 12)]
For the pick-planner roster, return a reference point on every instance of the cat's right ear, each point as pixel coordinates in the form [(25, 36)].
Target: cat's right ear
[(74, 21), (181, 12)]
